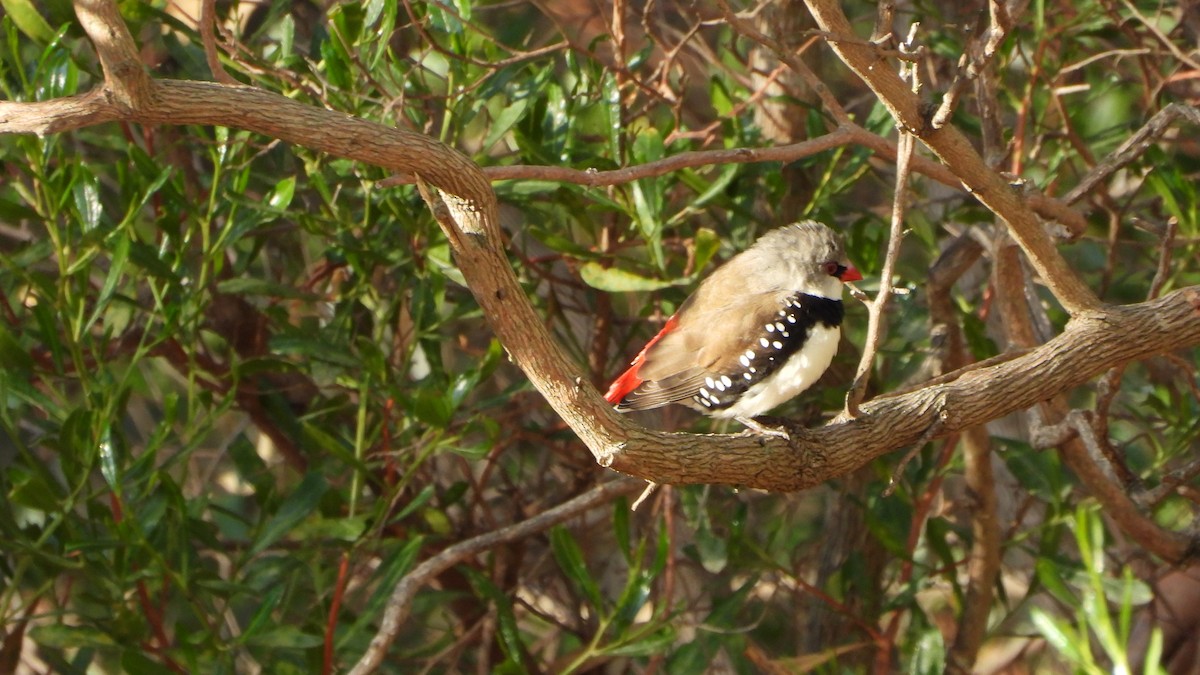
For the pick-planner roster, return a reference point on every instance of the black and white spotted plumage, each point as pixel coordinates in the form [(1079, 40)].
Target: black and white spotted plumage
[(757, 332)]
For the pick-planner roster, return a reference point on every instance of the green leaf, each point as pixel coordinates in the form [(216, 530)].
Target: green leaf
[(342, 529), (87, 202), (657, 642), (32, 490), (285, 637), (295, 508), (15, 358), (135, 662), (707, 243), (267, 603), (713, 550), (417, 502), (147, 258), (398, 559), (509, 632), (281, 196), (1056, 633), (617, 280), (929, 653), (509, 116), (314, 347), (433, 407), (648, 146), (570, 559), (254, 286), (25, 15), (60, 636), (116, 271), (1048, 574), (621, 531)]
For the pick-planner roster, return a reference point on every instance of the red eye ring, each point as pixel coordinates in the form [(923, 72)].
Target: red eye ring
[(833, 269)]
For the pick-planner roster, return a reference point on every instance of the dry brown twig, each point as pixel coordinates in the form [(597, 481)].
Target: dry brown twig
[(978, 55), (1118, 505), (208, 38), (1133, 147), (402, 593), (957, 153), (876, 308)]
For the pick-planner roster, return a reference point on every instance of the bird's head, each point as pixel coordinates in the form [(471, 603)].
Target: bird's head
[(807, 257)]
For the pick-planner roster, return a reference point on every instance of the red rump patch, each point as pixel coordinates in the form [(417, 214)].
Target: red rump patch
[(629, 380)]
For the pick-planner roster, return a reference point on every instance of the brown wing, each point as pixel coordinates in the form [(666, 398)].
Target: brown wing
[(703, 345)]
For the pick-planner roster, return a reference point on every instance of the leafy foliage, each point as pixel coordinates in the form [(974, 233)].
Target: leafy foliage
[(245, 390)]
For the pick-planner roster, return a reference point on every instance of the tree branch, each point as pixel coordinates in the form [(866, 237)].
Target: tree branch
[(400, 602), (956, 151), (1094, 341), (1171, 546)]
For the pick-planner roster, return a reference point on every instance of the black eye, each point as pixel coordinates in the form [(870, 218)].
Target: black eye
[(834, 269)]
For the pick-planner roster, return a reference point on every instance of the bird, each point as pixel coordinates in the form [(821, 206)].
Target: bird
[(755, 333)]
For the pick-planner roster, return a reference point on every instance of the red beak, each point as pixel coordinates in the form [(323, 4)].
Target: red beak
[(851, 274)]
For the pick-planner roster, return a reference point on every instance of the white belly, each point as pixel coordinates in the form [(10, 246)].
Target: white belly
[(795, 376)]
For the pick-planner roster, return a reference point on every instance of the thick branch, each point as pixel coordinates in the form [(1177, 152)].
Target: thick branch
[(1091, 343), (1118, 505), (956, 151)]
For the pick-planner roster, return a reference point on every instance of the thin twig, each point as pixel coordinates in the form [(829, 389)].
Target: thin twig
[(1171, 482), (1164, 258), (1133, 147), (934, 430), (953, 147), (1166, 40), (875, 327), (208, 17), (785, 55), (405, 590), (975, 59), (885, 15), (1014, 306)]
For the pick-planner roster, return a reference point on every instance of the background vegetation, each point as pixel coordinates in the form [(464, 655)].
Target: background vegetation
[(244, 390)]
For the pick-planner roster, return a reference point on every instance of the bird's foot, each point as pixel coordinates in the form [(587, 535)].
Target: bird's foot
[(755, 426)]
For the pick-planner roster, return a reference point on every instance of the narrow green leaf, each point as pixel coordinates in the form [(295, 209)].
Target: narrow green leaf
[(32, 490), (617, 280), (119, 247), (281, 196), (87, 202), (60, 636), (15, 358), (570, 559), (262, 616), (713, 550), (707, 243), (314, 347), (295, 508), (648, 146), (25, 15), (509, 632), (510, 115), (621, 531), (285, 637), (657, 642), (135, 662), (253, 286), (417, 502), (1055, 634), (1048, 573)]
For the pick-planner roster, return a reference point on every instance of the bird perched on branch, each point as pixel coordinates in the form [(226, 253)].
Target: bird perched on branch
[(755, 333)]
